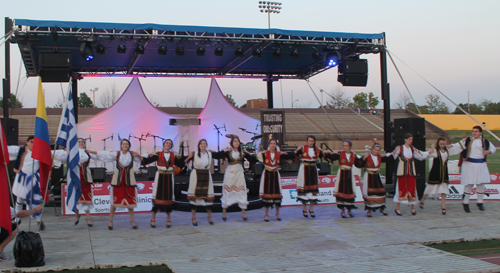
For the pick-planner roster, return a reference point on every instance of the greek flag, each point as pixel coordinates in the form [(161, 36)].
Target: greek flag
[(68, 139)]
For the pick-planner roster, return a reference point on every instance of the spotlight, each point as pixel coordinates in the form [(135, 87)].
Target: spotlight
[(121, 48), (277, 53), (295, 53), (257, 52), (315, 54), (200, 51), (179, 51), (219, 51), (239, 52), (162, 50), (100, 49), (332, 59), (139, 49), (86, 51)]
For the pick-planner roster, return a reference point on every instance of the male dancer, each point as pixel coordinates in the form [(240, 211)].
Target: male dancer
[(474, 167)]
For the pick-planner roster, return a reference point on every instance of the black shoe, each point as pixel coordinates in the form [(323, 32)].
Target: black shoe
[(312, 214), (413, 212), (398, 213), (169, 224), (466, 208), (224, 218), (134, 226), (266, 218), (385, 213), (342, 214), (151, 223), (194, 224), (210, 221), (42, 226), (304, 213), (89, 224), (110, 227), (278, 217), (244, 218), (77, 219), (443, 211), (480, 206), (350, 214)]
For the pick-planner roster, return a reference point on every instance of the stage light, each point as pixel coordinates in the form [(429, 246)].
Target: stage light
[(200, 51), (162, 50), (100, 49), (239, 52), (86, 51), (332, 59), (315, 54), (179, 51), (219, 51), (295, 53), (139, 49), (121, 48), (257, 52), (277, 53)]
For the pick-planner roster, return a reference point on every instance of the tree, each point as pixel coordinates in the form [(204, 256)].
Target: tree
[(435, 105), (109, 97), (244, 106), (474, 109), (404, 100), (190, 102), (230, 99), (154, 103), (364, 100), (13, 102), (338, 100), (84, 101)]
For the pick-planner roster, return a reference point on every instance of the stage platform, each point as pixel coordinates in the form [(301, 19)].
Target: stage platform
[(326, 243)]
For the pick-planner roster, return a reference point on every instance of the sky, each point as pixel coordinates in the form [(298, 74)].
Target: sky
[(450, 43)]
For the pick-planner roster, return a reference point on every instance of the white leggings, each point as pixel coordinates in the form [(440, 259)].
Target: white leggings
[(468, 191)]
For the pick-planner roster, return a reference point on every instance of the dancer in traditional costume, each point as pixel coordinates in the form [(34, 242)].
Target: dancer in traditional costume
[(234, 186), (270, 181), (345, 187), (474, 167), (307, 180), (163, 187), (372, 188), (85, 202), (201, 186), (406, 187), (123, 191), (27, 181), (437, 184)]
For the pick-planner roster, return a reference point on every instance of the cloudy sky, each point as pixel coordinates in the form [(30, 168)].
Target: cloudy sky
[(451, 43)]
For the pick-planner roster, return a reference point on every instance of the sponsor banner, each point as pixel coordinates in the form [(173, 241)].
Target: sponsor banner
[(325, 196), (102, 202), (272, 126), (456, 189)]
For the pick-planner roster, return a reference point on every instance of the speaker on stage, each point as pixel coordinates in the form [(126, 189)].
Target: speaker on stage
[(258, 168), (353, 72), (324, 168), (98, 174), (151, 172), (11, 128), (414, 126)]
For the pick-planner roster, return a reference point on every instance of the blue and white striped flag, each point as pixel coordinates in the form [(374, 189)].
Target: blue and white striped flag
[(68, 139)]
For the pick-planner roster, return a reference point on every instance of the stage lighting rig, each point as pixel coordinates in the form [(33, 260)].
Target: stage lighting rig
[(139, 49), (257, 52), (239, 52), (269, 7), (315, 54), (200, 51), (162, 50), (332, 59), (219, 51), (277, 52), (86, 51), (121, 48), (100, 49), (295, 53), (179, 51)]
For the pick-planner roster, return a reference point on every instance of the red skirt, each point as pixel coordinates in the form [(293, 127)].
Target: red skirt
[(124, 196), (86, 198), (407, 189)]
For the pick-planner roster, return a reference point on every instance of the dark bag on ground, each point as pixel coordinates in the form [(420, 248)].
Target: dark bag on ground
[(28, 249)]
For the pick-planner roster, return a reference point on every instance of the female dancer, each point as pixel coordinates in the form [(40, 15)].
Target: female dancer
[(270, 181), (345, 187), (85, 202), (163, 189), (234, 186), (373, 189), (307, 180), (123, 190), (438, 175), (406, 188), (201, 187)]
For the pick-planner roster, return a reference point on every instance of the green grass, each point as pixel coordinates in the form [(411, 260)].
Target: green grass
[(458, 135), (137, 269), (470, 248)]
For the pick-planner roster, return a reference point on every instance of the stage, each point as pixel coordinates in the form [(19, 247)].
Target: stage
[(327, 243)]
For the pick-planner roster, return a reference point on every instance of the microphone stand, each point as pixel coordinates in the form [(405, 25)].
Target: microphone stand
[(218, 143), (104, 149), (138, 138), (154, 141)]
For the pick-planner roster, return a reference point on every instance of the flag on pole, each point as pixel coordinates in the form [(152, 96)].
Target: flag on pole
[(5, 221), (41, 143), (68, 139)]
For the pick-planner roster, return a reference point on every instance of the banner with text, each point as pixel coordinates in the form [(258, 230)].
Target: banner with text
[(456, 189), (272, 126)]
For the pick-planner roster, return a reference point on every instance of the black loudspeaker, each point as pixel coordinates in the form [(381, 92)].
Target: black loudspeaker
[(257, 169), (151, 172), (414, 126), (11, 128), (55, 66), (55, 74), (324, 168), (353, 72), (98, 174), (56, 179)]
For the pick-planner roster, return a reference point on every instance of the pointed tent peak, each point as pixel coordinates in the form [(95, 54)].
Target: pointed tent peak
[(216, 98)]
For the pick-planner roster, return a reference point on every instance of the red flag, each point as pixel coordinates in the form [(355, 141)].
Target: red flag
[(5, 220)]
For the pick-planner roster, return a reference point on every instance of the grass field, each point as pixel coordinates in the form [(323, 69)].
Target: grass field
[(470, 248), (137, 269)]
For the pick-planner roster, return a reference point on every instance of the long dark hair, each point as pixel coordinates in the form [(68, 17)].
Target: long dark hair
[(166, 142), (129, 145), (437, 143), (199, 142), (231, 143), (314, 145)]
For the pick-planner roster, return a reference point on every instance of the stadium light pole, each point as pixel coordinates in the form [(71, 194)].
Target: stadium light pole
[(269, 7), (93, 92)]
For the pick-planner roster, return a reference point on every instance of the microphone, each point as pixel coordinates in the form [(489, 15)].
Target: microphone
[(111, 136), (225, 128), (256, 126), (90, 138), (215, 126)]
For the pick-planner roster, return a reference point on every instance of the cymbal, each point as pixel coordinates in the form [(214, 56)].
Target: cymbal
[(256, 137), (231, 135)]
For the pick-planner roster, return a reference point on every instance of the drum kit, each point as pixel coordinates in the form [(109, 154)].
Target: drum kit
[(253, 146)]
